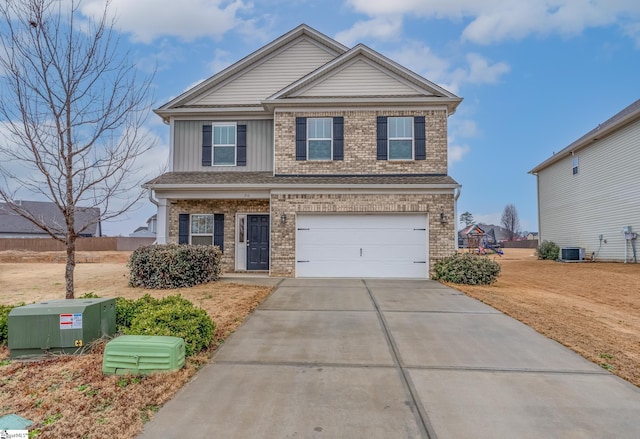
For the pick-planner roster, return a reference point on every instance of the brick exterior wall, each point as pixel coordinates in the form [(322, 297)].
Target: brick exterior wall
[(228, 207), (442, 240), (360, 145)]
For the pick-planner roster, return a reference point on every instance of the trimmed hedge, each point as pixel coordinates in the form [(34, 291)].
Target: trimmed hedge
[(548, 250), (174, 266), (467, 268), (173, 315)]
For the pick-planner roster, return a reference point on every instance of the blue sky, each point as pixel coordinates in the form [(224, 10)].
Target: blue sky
[(535, 75)]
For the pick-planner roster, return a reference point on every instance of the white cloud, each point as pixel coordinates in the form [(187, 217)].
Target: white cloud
[(476, 70), (388, 27), (479, 70), (221, 60), (496, 20), (457, 152), (146, 20), (464, 127)]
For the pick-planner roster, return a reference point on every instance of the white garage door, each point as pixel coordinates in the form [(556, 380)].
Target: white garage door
[(362, 246)]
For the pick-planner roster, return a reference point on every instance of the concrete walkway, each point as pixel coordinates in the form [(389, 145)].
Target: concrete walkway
[(394, 359)]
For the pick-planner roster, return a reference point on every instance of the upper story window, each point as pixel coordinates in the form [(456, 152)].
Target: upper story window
[(224, 144), (574, 164), (400, 138), (319, 139)]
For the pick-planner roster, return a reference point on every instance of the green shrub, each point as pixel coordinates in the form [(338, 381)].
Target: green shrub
[(174, 316), (548, 250), (173, 266), (4, 322), (467, 268), (127, 309)]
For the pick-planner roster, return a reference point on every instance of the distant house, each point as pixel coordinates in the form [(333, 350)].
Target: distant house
[(588, 193), (13, 225), (147, 231), (499, 234), (532, 235)]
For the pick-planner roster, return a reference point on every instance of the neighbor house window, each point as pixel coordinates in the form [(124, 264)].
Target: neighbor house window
[(319, 139), (574, 163), (202, 229), (400, 138), (224, 145)]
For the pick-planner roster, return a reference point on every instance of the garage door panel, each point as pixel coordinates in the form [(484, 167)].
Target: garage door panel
[(361, 246)]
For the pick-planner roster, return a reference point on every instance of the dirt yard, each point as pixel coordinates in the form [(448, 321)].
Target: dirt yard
[(67, 396), (592, 308)]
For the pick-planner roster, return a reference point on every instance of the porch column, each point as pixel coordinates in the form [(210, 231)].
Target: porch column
[(163, 213)]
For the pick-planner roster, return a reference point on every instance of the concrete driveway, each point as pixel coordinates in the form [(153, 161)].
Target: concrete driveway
[(387, 359)]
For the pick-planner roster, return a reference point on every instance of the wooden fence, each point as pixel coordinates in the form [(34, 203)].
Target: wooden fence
[(528, 243), (104, 243)]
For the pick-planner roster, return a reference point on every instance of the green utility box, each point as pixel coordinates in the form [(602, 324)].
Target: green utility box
[(143, 354), (59, 326)]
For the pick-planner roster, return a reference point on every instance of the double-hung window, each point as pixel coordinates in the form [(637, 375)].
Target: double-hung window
[(400, 146), (202, 229), (319, 138), (574, 165), (224, 145)]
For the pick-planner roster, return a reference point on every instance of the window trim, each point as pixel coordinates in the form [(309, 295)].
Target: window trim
[(213, 227), (412, 138), (574, 164), (234, 145), (330, 138)]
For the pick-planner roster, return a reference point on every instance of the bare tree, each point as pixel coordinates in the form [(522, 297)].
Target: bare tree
[(73, 109), (510, 221), (466, 218)]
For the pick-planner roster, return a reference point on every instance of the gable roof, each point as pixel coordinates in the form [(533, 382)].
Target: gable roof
[(253, 60), (627, 115), (258, 82), (12, 223), (394, 82)]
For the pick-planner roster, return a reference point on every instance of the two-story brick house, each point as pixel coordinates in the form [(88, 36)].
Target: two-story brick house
[(310, 159)]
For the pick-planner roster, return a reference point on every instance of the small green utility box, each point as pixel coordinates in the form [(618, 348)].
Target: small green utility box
[(143, 354), (59, 326)]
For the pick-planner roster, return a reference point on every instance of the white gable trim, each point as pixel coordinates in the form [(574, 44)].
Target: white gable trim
[(362, 51), (303, 30)]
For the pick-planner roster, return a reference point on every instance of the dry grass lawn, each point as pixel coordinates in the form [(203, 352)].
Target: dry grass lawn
[(67, 396), (592, 308)]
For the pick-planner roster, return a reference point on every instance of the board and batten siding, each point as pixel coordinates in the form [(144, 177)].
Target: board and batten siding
[(360, 79), (187, 149), (289, 64), (601, 199)]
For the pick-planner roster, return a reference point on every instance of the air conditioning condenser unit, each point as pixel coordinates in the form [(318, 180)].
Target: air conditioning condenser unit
[(572, 254)]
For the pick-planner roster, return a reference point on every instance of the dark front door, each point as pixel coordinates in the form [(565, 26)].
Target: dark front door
[(258, 242)]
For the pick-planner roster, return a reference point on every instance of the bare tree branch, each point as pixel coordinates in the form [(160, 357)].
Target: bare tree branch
[(74, 108), (510, 221)]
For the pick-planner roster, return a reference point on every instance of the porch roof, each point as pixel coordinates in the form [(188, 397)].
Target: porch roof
[(266, 180)]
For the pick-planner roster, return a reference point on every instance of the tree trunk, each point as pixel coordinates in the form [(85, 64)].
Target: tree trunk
[(70, 267)]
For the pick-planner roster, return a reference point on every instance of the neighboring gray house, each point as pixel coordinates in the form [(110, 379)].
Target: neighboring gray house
[(308, 158), (13, 225), (148, 231), (589, 192)]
